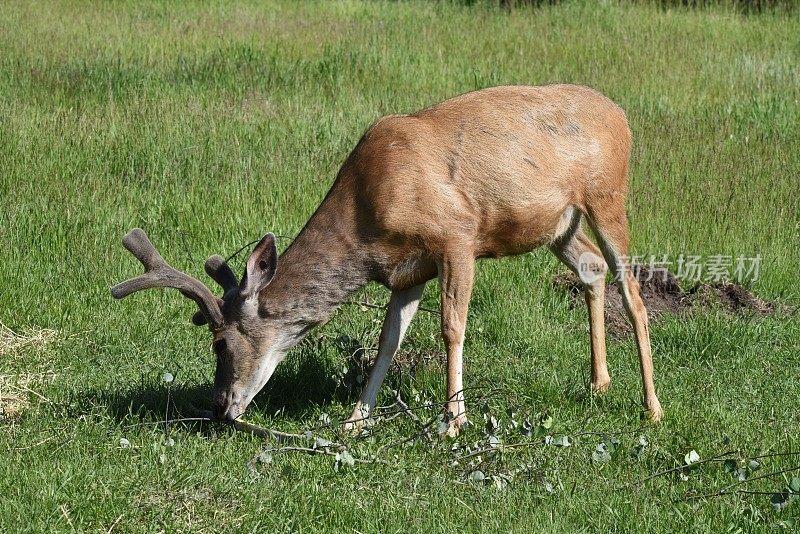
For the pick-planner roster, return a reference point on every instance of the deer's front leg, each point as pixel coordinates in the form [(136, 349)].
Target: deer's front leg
[(402, 307), (456, 278)]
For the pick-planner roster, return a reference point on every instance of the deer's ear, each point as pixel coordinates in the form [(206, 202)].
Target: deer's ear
[(261, 267)]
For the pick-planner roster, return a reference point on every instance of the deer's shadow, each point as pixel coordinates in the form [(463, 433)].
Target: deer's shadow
[(295, 392)]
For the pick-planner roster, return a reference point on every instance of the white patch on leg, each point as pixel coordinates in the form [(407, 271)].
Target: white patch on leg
[(565, 223), (402, 307)]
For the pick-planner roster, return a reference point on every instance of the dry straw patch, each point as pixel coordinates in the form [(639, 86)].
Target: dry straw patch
[(14, 343), (16, 389), (11, 404)]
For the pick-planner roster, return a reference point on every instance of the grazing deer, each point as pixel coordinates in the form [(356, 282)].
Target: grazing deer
[(491, 173)]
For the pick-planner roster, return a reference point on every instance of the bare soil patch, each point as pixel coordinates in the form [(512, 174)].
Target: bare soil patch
[(662, 294)]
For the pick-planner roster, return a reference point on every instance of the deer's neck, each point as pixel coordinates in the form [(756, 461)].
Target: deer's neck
[(324, 266)]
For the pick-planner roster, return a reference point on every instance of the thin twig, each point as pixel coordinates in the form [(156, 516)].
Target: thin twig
[(750, 492), (423, 432), (45, 440), (480, 452), (171, 421), (678, 468), (411, 415), (114, 524), (503, 447), (65, 515), (242, 426), (325, 451), (774, 455), (383, 306), (328, 452), (280, 437), (426, 405), (615, 433), (229, 258), (29, 390), (726, 489)]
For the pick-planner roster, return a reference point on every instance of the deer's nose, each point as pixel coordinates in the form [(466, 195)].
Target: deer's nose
[(227, 407), (227, 412)]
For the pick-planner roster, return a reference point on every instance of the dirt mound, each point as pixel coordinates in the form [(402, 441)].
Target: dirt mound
[(733, 298), (662, 293)]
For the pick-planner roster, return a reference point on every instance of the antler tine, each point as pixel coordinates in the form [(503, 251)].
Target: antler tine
[(218, 269), (158, 273)]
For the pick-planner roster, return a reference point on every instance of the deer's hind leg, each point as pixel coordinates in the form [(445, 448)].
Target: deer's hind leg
[(577, 252), (610, 225)]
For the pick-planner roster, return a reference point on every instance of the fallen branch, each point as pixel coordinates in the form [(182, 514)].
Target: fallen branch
[(424, 431), (637, 430), (280, 437), (325, 451), (502, 448), (405, 409)]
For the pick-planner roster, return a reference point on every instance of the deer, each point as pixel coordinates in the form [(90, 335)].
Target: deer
[(490, 173)]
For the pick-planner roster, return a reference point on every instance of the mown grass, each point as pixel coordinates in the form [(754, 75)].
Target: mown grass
[(208, 124)]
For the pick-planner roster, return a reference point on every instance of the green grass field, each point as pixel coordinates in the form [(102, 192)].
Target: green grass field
[(211, 123)]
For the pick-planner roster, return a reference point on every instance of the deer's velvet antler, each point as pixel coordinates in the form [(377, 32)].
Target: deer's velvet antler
[(158, 273), (221, 273)]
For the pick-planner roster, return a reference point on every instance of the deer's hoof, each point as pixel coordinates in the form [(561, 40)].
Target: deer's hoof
[(654, 413), (600, 387), (352, 427), (452, 431), (454, 427)]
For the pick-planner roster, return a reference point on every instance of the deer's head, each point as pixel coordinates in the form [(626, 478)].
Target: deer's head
[(247, 345)]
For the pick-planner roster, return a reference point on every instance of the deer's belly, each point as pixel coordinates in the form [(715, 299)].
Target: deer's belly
[(517, 233)]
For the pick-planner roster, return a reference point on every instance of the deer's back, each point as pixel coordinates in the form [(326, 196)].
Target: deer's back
[(494, 169)]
